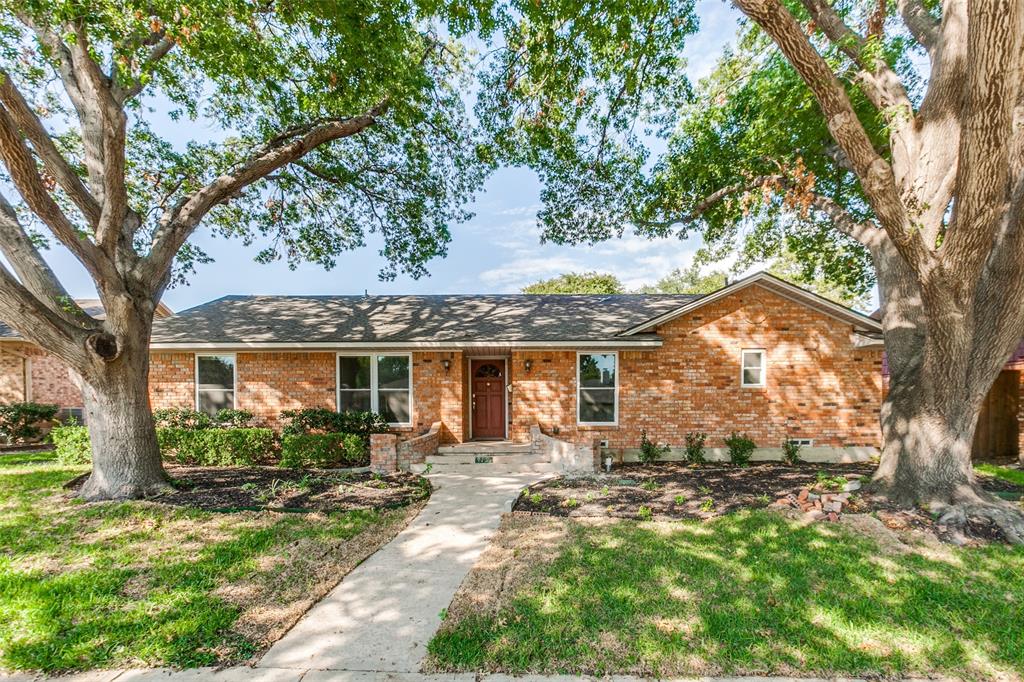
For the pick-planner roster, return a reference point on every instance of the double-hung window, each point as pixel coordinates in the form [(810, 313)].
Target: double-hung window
[(752, 368), (215, 383), (376, 383), (597, 388)]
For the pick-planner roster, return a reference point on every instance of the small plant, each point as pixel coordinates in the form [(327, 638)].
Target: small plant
[(825, 482), (536, 498), (644, 513), (790, 452), (650, 451), (680, 500), (707, 505), (589, 497), (571, 503), (764, 500), (695, 447), (605, 491), (704, 490), (650, 486), (741, 448)]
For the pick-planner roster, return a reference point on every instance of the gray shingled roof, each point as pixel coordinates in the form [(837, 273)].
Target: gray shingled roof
[(91, 306), (358, 319)]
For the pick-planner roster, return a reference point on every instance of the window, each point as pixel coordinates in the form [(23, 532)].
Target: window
[(597, 387), (752, 368), (215, 383), (802, 442), (376, 383)]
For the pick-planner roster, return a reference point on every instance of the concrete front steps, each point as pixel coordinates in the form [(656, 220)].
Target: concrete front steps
[(485, 458)]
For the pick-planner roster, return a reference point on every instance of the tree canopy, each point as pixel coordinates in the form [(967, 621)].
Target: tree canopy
[(577, 283)]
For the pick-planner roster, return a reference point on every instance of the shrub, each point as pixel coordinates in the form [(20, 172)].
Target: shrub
[(216, 447), (181, 418), (18, 421), (323, 420), (71, 444), (790, 452), (233, 419), (695, 447), (323, 450), (740, 447), (650, 451)]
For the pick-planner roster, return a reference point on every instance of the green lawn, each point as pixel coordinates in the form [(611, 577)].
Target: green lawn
[(122, 584), (1015, 476), (750, 593)]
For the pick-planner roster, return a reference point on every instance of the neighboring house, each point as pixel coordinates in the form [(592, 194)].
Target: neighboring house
[(30, 374), (760, 356)]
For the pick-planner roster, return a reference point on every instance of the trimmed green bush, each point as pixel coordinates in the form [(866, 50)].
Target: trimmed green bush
[(321, 450), (18, 421), (71, 443), (216, 447), (323, 420), (741, 448)]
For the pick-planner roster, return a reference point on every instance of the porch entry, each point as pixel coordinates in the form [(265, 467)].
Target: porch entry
[(487, 393)]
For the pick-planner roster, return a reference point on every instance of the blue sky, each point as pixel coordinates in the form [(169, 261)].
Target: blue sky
[(498, 251)]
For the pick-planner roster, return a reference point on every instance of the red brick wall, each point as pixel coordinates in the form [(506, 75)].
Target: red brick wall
[(271, 382), (172, 380), (437, 394), (51, 382), (12, 373), (818, 385)]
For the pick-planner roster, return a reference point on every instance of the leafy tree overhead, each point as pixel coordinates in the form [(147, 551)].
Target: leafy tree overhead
[(342, 119), (577, 283), (818, 135), (687, 281)]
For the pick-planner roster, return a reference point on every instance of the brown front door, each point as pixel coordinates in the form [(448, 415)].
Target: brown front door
[(487, 378), (996, 438)]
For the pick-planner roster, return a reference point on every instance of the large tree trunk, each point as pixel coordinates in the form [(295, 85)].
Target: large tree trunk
[(125, 455), (940, 370)]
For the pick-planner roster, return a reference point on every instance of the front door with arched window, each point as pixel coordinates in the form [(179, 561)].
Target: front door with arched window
[(487, 381)]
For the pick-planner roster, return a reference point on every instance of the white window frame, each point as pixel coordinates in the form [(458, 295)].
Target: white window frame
[(579, 387), (374, 389), (234, 376), (764, 367)]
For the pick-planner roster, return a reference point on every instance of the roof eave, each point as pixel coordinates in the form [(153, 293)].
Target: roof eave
[(652, 342)]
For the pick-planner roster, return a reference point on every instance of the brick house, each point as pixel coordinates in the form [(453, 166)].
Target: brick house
[(30, 374), (760, 356)]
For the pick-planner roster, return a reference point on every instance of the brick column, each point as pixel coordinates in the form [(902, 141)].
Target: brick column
[(383, 452)]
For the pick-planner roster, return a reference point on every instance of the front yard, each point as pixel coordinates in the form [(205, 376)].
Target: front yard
[(147, 584), (752, 592)]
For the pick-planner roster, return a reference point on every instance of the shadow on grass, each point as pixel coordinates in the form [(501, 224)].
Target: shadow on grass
[(751, 593)]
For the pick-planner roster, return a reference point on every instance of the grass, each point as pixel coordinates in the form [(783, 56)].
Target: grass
[(1015, 476), (135, 583), (749, 593)]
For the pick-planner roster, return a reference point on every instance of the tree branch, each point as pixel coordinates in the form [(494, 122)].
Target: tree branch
[(984, 182), (160, 46), (22, 167), (922, 25), (178, 223), (862, 231), (42, 143), (31, 269), (875, 174)]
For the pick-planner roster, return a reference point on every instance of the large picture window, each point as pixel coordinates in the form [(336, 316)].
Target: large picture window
[(597, 387), (376, 383), (215, 383)]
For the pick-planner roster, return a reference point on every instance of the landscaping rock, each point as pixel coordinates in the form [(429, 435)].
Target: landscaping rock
[(851, 486)]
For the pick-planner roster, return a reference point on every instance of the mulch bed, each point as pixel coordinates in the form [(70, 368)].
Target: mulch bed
[(274, 488), (675, 490)]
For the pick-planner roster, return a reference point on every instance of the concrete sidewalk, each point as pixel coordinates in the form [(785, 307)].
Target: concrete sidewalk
[(381, 616)]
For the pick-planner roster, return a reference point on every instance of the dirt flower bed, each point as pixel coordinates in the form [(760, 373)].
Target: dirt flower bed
[(674, 490), (274, 488)]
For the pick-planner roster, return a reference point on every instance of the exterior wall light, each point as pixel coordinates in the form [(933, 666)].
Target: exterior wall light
[(447, 364), (528, 365)]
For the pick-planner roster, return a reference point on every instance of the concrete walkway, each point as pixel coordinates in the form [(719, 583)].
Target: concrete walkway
[(381, 616)]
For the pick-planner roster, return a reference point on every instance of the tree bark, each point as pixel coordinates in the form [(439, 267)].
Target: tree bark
[(125, 455)]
